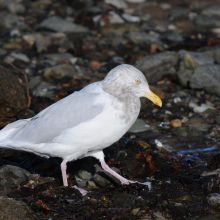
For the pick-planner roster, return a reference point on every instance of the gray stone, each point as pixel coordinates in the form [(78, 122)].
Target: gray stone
[(217, 120), (44, 89), (83, 175), (16, 210), (212, 10), (194, 59), (212, 51), (188, 61), (142, 38), (104, 178), (58, 24), (213, 198), (184, 75), (206, 21), (17, 56), (139, 126), (60, 71), (187, 131), (201, 127), (57, 56), (12, 176), (125, 200), (173, 36), (9, 20), (118, 4), (16, 8), (179, 14), (155, 66), (206, 77)]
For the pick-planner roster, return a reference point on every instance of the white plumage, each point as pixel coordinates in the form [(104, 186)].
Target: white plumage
[(85, 122)]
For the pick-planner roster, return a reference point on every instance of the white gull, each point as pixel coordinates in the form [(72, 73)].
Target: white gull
[(85, 122)]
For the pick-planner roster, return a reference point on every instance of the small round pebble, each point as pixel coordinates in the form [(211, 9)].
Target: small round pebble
[(175, 123)]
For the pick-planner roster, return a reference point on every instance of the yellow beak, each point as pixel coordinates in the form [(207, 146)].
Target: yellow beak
[(154, 98)]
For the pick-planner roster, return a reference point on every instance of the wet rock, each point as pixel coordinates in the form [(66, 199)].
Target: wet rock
[(213, 51), (58, 24), (206, 73), (212, 10), (12, 99), (175, 123), (16, 8), (139, 126), (157, 65), (187, 131), (143, 39), (12, 209), (202, 108), (104, 178), (206, 21), (173, 36), (60, 71), (194, 59), (83, 175), (179, 14), (42, 88), (118, 4), (217, 120), (213, 198), (12, 176), (9, 20), (126, 200), (60, 56), (210, 113), (17, 56), (189, 61)]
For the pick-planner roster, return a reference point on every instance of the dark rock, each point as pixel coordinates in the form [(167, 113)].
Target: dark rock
[(206, 21), (60, 71), (141, 38), (25, 114), (139, 126), (217, 120), (210, 113), (104, 178), (16, 210), (157, 65), (187, 131), (12, 99), (179, 14), (58, 24), (212, 51), (206, 73), (12, 176), (83, 175), (125, 200), (213, 198)]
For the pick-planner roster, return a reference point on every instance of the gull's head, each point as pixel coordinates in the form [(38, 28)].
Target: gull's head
[(126, 78)]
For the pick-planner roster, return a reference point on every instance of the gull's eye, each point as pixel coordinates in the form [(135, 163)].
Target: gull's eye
[(137, 81)]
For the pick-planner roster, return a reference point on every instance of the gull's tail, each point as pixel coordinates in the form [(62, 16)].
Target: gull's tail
[(10, 130)]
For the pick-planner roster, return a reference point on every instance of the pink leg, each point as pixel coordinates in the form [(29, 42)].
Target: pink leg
[(63, 169), (122, 179)]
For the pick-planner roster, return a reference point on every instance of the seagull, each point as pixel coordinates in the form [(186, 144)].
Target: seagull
[(85, 122)]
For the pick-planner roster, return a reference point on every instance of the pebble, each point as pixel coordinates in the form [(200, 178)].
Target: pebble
[(213, 198), (56, 23), (217, 120), (95, 64), (12, 176), (175, 123), (139, 126)]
